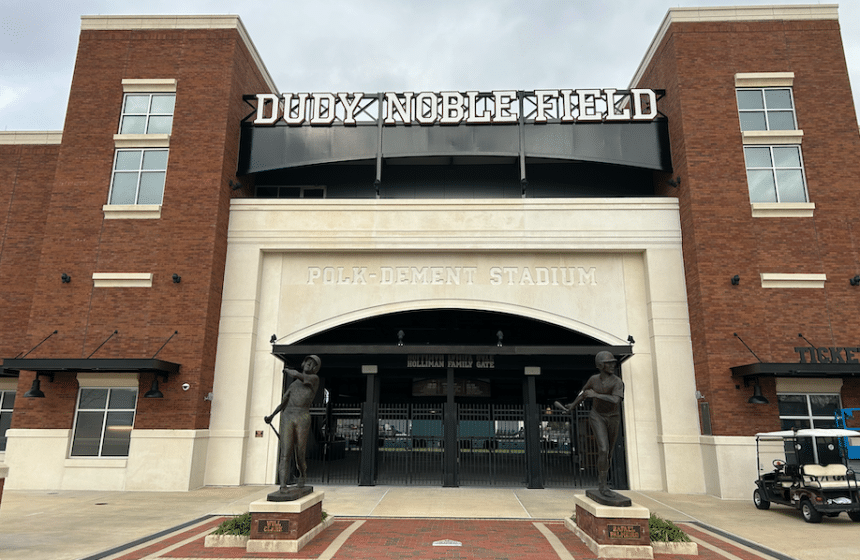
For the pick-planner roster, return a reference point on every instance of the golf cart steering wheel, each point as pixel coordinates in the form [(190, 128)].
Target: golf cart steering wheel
[(778, 464)]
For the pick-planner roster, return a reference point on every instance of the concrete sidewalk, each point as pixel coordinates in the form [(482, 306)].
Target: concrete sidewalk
[(76, 524)]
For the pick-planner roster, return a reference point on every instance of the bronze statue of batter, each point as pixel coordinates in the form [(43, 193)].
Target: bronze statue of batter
[(606, 391), (295, 428)]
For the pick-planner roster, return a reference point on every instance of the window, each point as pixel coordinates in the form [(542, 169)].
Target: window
[(103, 422), (272, 191), (811, 411), (775, 174), (138, 176), (7, 401), (147, 113), (766, 109)]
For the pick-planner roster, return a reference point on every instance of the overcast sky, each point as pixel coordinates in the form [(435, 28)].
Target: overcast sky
[(374, 45)]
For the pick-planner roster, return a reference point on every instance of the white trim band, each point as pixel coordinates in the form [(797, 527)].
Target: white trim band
[(132, 211), (772, 137), (782, 209), (149, 86), (792, 280), (122, 280), (141, 140), (764, 79), (31, 137)]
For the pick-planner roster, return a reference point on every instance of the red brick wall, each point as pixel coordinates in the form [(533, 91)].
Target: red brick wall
[(25, 192), (213, 69), (696, 64)]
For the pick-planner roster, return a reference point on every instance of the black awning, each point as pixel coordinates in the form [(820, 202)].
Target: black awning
[(12, 366), (796, 370)]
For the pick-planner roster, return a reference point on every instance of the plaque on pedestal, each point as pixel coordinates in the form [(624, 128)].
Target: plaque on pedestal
[(610, 531), (286, 526)]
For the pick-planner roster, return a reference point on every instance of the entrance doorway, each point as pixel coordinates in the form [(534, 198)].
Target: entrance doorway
[(394, 413)]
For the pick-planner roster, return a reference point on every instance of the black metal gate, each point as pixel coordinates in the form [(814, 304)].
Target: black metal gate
[(334, 450), (491, 445), (410, 447), (569, 451)]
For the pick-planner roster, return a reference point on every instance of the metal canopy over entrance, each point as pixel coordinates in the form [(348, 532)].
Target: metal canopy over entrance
[(452, 414)]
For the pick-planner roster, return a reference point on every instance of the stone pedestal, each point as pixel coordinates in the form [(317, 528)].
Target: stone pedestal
[(612, 532), (285, 526)]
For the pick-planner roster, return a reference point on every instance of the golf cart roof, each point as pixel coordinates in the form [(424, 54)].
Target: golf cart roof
[(809, 432)]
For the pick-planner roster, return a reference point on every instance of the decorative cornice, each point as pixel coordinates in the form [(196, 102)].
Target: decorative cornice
[(733, 13), (119, 22)]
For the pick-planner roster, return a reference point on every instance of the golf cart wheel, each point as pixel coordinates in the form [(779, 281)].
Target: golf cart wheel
[(854, 515), (810, 514), (759, 501)]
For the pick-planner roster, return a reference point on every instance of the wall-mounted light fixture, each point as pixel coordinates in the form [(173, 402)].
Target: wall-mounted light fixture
[(35, 391), (65, 278), (400, 335), (757, 397), (736, 279), (235, 185), (499, 336), (676, 182), (153, 392), (176, 278), (855, 281)]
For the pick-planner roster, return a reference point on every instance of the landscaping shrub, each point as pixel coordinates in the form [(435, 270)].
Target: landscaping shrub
[(239, 525), (665, 531)]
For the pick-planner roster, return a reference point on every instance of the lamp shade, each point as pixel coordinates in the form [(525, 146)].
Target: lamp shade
[(35, 391)]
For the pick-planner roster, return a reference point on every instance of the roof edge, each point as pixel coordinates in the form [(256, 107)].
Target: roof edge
[(733, 13), (226, 21), (31, 137)]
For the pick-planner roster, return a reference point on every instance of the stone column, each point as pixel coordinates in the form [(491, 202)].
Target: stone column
[(4, 472)]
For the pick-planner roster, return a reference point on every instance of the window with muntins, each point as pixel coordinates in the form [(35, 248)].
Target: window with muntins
[(147, 113), (103, 422), (811, 411), (766, 109), (775, 174), (7, 401), (138, 176)]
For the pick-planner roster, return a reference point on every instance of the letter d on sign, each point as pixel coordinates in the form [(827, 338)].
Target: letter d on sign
[(262, 100)]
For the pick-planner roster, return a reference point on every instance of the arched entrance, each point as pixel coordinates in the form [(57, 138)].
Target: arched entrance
[(452, 397)]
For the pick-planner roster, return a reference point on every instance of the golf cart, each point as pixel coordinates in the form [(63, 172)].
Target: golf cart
[(814, 476)]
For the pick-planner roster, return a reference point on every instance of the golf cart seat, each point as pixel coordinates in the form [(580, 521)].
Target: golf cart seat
[(827, 476)]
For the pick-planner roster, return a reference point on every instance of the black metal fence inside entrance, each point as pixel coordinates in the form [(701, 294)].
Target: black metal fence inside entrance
[(569, 451), (334, 451), (491, 446)]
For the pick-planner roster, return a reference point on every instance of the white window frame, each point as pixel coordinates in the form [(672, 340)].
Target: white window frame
[(131, 86), (765, 110), (148, 114), (105, 412), (809, 417), (774, 170), (140, 172)]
